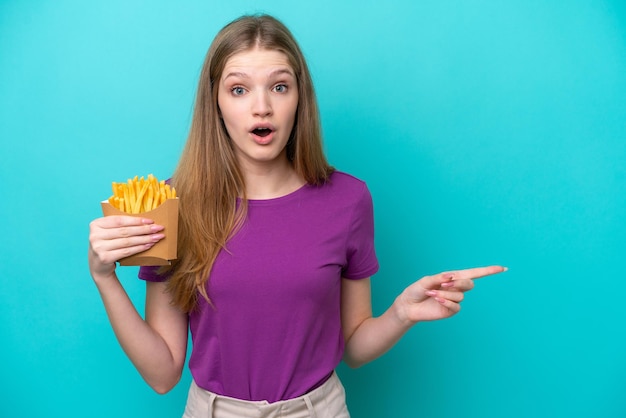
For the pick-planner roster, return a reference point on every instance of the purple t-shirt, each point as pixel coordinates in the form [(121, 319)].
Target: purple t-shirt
[(274, 332)]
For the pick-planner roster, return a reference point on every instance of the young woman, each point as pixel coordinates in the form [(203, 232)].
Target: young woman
[(275, 249)]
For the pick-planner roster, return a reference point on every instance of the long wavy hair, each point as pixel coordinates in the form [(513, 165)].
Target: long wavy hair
[(208, 179)]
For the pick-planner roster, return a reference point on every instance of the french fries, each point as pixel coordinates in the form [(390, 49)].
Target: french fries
[(140, 195)]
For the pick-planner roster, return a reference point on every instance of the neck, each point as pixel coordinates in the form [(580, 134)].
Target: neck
[(271, 180)]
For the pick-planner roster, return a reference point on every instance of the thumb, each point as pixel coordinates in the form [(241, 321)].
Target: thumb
[(435, 281), (416, 292)]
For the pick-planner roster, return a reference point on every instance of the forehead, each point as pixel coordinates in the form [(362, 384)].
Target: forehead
[(256, 60)]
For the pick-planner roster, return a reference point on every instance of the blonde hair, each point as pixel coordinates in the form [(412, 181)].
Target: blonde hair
[(208, 179)]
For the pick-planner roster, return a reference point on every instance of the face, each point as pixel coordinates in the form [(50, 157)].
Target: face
[(258, 98)]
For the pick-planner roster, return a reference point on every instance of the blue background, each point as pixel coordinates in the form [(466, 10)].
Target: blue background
[(489, 132)]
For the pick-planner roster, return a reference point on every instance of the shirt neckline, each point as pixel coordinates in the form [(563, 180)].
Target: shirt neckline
[(279, 199)]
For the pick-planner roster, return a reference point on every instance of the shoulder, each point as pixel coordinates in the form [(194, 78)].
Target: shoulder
[(345, 183), (342, 176), (340, 191), (343, 190)]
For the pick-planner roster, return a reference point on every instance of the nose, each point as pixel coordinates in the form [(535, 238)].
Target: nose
[(262, 106)]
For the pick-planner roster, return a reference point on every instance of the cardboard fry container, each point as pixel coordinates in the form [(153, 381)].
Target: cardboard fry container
[(164, 251)]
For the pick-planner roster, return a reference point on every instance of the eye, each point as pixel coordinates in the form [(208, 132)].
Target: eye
[(237, 91), (281, 88)]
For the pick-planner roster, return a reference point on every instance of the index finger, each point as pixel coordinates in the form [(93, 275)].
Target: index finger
[(477, 272), (117, 221)]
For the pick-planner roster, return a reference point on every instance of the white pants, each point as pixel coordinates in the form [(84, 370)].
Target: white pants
[(327, 401)]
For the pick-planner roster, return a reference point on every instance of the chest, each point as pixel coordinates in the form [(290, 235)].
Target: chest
[(296, 253)]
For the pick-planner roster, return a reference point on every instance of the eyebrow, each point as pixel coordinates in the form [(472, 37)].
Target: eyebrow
[(277, 72)]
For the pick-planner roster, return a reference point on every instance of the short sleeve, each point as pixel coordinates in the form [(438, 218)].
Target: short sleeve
[(360, 250), (150, 274)]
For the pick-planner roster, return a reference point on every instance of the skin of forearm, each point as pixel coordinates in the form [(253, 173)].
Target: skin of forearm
[(375, 336), (144, 347)]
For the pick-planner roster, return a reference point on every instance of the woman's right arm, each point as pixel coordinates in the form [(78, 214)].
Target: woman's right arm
[(157, 346)]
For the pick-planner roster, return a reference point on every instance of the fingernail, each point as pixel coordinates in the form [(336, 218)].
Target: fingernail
[(147, 221), (440, 300), (447, 284), (157, 237), (157, 228), (431, 293)]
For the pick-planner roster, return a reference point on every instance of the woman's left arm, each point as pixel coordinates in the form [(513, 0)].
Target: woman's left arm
[(430, 298)]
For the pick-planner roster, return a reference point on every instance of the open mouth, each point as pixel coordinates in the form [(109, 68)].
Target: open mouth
[(262, 132)]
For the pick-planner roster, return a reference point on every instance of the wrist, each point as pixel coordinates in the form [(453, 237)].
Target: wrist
[(400, 311), (102, 277)]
